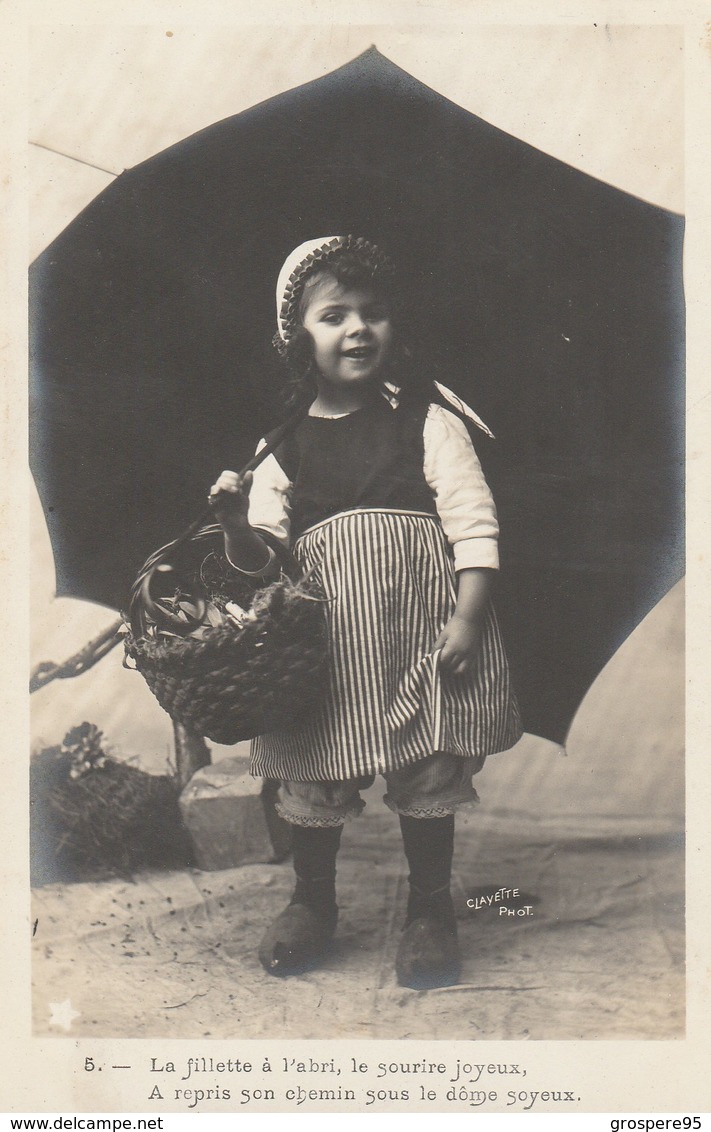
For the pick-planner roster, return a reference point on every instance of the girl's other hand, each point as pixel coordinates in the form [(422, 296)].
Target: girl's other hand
[(459, 641), (229, 499)]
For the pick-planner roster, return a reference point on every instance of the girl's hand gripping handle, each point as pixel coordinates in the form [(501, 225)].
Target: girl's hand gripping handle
[(229, 499)]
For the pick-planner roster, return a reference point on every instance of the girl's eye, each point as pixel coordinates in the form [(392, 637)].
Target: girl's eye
[(333, 317)]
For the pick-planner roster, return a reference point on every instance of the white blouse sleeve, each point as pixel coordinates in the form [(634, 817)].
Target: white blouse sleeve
[(464, 502), (269, 499)]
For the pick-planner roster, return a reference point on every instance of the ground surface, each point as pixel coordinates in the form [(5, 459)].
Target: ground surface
[(173, 955), (590, 840)]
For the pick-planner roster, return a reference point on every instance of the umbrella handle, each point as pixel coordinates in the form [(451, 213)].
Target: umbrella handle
[(143, 608)]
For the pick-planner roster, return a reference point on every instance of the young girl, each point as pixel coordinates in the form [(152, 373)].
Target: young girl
[(380, 494)]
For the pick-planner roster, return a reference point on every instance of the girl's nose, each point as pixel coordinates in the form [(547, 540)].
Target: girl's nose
[(356, 324)]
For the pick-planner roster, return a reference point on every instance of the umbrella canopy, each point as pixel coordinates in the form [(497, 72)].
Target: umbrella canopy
[(551, 301)]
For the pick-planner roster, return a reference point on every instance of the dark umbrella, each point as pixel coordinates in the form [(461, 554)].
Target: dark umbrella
[(554, 303)]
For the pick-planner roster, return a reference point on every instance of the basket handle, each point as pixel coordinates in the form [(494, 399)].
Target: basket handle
[(142, 607)]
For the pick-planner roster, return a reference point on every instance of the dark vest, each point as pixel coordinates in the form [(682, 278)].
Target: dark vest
[(370, 458)]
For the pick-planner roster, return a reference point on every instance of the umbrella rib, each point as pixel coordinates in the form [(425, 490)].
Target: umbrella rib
[(70, 157)]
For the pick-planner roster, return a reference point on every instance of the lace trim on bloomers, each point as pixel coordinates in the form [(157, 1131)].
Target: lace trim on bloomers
[(443, 810), (321, 821)]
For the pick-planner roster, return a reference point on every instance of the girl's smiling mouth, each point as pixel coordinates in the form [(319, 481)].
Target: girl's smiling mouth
[(359, 352)]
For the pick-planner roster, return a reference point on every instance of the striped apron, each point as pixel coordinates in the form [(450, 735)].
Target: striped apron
[(390, 588)]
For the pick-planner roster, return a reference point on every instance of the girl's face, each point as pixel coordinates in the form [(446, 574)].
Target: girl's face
[(351, 331)]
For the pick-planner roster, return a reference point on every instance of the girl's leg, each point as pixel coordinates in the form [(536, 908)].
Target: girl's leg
[(316, 811), (299, 936), (425, 795), (428, 955)]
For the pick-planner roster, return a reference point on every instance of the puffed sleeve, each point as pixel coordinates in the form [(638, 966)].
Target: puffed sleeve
[(464, 502), (269, 499)]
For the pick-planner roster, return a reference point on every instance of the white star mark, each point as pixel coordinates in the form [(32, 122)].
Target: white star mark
[(63, 1014)]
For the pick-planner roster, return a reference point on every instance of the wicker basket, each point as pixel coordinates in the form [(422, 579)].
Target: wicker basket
[(225, 659), (226, 680)]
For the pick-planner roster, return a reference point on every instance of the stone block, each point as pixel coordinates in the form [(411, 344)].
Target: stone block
[(231, 819)]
